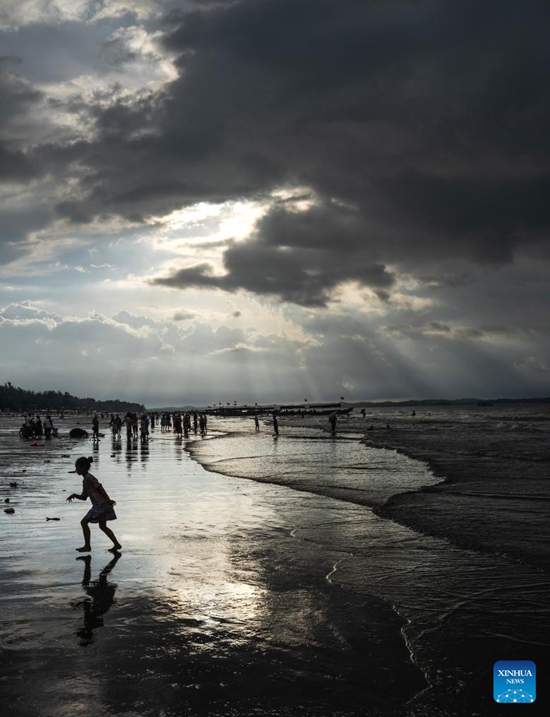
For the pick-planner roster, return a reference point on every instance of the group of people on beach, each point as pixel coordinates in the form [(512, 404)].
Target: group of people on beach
[(35, 427), (184, 422), (132, 423), (181, 422)]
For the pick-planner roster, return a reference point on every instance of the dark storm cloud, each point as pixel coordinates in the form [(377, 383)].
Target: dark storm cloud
[(15, 166), (438, 326), (293, 256), (122, 121), (16, 224), (428, 118), (18, 96), (18, 100)]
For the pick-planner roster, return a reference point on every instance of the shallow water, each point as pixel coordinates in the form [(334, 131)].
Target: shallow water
[(309, 460), (233, 596), (495, 462)]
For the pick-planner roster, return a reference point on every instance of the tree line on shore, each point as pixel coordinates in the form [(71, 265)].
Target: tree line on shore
[(15, 399)]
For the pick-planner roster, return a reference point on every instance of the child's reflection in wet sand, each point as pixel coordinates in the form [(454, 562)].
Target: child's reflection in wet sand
[(101, 595)]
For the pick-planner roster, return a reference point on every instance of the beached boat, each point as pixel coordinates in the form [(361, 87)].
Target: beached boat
[(295, 409)]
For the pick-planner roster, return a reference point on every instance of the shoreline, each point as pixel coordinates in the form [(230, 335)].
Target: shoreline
[(476, 471), (472, 470)]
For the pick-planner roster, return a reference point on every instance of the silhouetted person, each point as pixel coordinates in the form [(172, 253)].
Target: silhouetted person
[(144, 428), (95, 429), (102, 506)]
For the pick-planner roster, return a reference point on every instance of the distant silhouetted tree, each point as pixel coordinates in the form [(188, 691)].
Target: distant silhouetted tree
[(17, 399)]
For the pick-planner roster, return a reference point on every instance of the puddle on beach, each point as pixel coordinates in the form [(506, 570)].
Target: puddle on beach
[(236, 597)]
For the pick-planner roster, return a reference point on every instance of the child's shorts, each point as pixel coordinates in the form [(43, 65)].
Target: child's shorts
[(100, 515)]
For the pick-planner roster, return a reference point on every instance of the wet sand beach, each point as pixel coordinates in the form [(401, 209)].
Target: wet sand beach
[(256, 577), (215, 605)]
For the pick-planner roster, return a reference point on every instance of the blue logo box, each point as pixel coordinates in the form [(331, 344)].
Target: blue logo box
[(514, 682)]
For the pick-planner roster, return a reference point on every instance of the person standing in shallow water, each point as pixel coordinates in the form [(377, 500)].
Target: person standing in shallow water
[(95, 429), (102, 506)]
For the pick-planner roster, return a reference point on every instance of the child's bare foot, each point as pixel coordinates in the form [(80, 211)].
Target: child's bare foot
[(116, 546), (84, 549)]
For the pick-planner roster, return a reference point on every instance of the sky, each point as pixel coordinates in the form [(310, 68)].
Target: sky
[(271, 200)]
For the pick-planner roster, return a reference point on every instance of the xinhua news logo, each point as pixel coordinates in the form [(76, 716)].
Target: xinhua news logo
[(515, 682)]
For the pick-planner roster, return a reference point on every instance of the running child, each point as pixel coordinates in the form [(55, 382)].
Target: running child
[(102, 506)]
